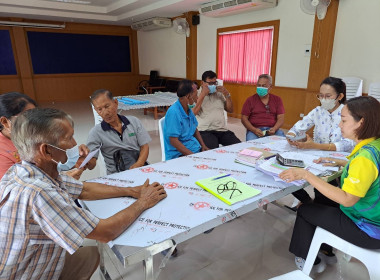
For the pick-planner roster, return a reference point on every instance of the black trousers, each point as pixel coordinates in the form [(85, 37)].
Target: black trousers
[(319, 198), (332, 219), (213, 138)]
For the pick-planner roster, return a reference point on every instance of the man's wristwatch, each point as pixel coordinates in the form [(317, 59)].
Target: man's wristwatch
[(228, 95)]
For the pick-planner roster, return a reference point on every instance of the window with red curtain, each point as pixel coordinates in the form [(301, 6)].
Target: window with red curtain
[(244, 55)]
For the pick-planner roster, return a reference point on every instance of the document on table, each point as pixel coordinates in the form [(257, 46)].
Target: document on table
[(89, 157), (279, 146), (227, 189)]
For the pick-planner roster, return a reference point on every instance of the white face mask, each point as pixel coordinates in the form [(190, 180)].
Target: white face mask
[(72, 155), (327, 104)]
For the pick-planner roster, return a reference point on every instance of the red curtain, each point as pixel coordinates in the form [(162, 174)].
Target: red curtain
[(244, 56)]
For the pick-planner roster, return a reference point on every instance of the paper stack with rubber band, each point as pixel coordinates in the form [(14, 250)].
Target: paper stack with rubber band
[(227, 189)]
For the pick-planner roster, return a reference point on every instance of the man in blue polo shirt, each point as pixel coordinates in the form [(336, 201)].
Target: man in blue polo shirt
[(181, 136), (116, 133)]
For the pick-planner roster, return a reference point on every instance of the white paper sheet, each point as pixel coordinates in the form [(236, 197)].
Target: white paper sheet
[(89, 157)]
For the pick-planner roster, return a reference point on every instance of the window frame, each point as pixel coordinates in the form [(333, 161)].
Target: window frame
[(266, 24)]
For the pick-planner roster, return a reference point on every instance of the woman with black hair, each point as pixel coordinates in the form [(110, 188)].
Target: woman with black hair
[(11, 105), (325, 119), (357, 217)]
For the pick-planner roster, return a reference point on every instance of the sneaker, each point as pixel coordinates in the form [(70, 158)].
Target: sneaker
[(300, 262), (328, 257), (318, 267)]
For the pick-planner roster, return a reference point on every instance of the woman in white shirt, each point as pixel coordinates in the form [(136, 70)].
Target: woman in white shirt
[(327, 135), (325, 119)]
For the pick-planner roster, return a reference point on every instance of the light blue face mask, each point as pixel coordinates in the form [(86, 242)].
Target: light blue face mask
[(262, 91), (72, 158), (191, 106), (212, 88)]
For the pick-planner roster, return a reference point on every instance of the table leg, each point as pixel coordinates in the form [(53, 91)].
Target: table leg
[(148, 267), (145, 111), (155, 113), (102, 268)]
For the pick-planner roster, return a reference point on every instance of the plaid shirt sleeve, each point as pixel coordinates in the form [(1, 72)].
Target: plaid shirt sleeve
[(62, 221), (73, 186)]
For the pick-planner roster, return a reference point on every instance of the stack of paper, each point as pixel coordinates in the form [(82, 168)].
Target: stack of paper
[(273, 168), (227, 189), (250, 156)]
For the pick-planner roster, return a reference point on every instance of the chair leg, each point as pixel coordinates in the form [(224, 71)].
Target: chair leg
[(313, 252)]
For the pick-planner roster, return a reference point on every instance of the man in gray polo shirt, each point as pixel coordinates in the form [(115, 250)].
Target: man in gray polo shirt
[(212, 101), (116, 132)]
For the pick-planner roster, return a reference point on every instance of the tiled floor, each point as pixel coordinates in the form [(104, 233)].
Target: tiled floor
[(254, 246)]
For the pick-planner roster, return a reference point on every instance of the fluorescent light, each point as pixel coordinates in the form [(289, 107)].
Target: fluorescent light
[(32, 24), (71, 1)]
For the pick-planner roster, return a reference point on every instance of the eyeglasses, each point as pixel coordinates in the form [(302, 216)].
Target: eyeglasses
[(212, 83), (229, 186), (327, 96), (267, 108)]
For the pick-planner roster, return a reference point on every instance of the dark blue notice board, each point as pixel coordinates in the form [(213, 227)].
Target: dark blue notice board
[(62, 53), (7, 61)]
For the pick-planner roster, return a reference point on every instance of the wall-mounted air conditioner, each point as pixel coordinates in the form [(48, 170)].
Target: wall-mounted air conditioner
[(152, 24), (229, 7)]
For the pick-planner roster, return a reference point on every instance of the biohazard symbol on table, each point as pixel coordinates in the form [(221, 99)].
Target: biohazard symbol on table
[(202, 166), (263, 202), (171, 185), (221, 151), (201, 205), (147, 169)]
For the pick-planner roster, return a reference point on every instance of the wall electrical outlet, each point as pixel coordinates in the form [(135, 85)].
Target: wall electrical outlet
[(307, 50), (302, 115)]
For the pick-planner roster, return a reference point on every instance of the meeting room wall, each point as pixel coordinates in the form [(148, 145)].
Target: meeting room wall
[(163, 50), (357, 41), (71, 85)]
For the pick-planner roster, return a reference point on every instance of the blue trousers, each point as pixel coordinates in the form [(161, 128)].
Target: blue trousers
[(252, 136)]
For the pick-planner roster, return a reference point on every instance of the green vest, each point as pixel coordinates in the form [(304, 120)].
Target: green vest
[(366, 212)]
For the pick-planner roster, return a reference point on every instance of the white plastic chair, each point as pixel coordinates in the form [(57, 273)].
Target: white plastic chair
[(370, 258), (374, 90), (161, 132), (100, 162), (354, 87), (293, 275)]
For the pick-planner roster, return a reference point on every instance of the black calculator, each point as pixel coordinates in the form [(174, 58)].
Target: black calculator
[(290, 162)]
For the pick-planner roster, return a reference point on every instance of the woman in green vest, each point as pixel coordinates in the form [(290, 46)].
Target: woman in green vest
[(357, 219)]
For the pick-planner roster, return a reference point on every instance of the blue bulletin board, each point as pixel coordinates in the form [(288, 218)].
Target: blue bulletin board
[(63, 53), (7, 61)]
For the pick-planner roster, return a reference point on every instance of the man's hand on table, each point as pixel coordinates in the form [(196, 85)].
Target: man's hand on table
[(150, 194), (204, 148)]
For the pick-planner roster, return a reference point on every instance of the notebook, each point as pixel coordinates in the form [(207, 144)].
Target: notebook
[(244, 158), (227, 188)]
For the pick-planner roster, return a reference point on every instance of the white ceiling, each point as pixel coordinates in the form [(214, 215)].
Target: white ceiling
[(117, 12)]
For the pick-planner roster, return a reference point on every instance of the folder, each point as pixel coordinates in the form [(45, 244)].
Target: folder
[(227, 188)]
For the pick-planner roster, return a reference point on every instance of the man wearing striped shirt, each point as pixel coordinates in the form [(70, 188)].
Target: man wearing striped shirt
[(41, 228)]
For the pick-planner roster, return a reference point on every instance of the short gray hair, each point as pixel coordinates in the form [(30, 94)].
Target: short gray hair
[(266, 76), (37, 126)]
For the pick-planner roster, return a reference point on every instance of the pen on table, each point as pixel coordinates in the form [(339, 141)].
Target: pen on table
[(270, 157), (217, 178)]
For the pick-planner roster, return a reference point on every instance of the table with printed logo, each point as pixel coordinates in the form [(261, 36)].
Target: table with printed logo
[(188, 209)]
